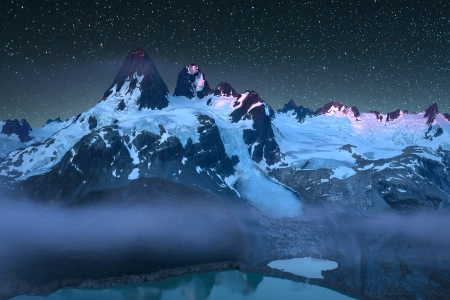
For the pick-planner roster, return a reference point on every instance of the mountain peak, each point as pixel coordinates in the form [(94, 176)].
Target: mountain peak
[(225, 89), (153, 90), (332, 107), (21, 129), (192, 83), (431, 113)]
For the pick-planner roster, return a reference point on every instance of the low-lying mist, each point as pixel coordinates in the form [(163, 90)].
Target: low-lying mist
[(46, 226), (130, 239)]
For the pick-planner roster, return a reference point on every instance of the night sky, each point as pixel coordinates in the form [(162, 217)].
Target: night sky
[(58, 58)]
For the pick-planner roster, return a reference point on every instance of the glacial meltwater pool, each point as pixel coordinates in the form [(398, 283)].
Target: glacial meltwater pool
[(223, 285), (306, 266)]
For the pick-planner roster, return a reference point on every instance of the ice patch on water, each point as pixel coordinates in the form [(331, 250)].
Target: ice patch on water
[(306, 266)]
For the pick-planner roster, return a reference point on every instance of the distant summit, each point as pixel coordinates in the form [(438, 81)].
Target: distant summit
[(138, 70), (21, 129), (225, 89), (192, 83), (431, 113)]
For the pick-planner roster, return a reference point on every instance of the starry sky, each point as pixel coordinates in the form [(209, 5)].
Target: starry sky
[(59, 57)]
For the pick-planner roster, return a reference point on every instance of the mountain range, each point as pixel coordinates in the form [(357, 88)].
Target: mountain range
[(303, 179)]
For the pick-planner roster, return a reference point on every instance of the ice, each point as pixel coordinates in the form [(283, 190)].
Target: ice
[(342, 172), (9, 143), (134, 174), (272, 199), (306, 266)]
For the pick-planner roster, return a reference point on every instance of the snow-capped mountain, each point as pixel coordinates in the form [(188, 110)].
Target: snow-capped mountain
[(235, 144), (204, 147)]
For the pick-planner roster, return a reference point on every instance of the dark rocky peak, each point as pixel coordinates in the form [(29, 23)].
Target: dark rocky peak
[(447, 116), (393, 115), (49, 121), (377, 115), (356, 113), (289, 106), (154, 91), (192, 83), (332, 107), (260, 139), (302, 113), (242, 105), (21, 129), (225, 89), (431, 113)]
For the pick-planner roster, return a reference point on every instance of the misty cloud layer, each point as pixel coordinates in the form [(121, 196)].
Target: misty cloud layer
[(58, 229)]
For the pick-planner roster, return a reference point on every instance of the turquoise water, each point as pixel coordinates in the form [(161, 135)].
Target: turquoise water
[(223, 285)]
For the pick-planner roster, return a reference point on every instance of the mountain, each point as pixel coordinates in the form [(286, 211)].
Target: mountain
[(142, 144)]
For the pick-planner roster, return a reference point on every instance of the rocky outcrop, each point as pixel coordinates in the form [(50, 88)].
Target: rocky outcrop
[(49, 121), (21, 129), (332, 107), (153, 90), (100, 159), (225, 89), (209, 152), (289, 106), (192, 83), (447, 116), (377, 114), (431, 113), (356, 112), (260, 139), (393, 115)]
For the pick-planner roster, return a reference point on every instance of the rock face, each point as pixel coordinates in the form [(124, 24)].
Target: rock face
[(57, 120), (153, 90), (393, 115), (377, 115), (225, 89), (192, 83), (97, 161), (21, 129), (431, 112), (332, 107), (422, 185), (260, 140), (289, 106), (301, 113)]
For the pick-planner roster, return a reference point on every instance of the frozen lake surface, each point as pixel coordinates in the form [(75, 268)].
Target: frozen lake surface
[(305, 266)]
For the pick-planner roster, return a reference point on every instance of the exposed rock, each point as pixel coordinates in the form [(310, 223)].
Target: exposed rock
[(154, 91), (393, 115), (225, 89), (347, 147), (332, 107), (447, 116), (192, 83), (121, 105), (355, 111), (21, 129), (260, 140), (289, 106), (431, 113), (92, 121), (209, 152), (57, 120), (91, 164), (377, 115)]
